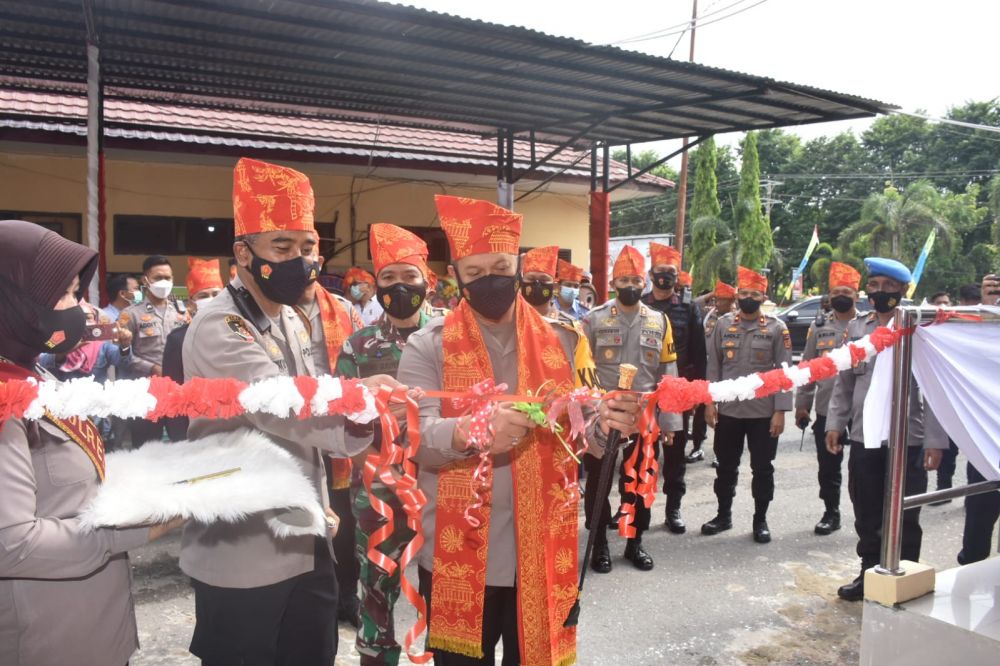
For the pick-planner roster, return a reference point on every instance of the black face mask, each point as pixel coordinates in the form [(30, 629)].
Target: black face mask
[(664, 281), (748, 305), (537, 292), (885, 301), (60, 330), (401, 300), (842, 304), (628, 296), (283, 281), (491, 295)]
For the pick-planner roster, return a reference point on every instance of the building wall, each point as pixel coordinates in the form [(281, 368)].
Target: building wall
[(53, 180)]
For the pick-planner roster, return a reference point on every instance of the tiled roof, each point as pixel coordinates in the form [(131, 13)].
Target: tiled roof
[(175, 123)]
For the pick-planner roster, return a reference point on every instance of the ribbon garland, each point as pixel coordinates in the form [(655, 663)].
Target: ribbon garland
[(394, 467), (302, 397)]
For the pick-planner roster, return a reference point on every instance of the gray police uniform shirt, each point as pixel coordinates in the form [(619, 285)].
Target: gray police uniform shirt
[(847, 400), (422, 365), (642, 338), (222, 343), (150, 327), (740, 347), (820, 341)]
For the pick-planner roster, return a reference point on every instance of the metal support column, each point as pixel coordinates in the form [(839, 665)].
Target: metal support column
[(505, 185), (95, 156), (895, 473)]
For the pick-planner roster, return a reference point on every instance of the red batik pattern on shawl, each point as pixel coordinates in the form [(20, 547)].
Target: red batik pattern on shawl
[(545, 522)]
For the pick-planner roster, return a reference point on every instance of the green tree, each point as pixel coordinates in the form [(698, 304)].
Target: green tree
[(648, 215), (890, 217), (704, 206), (818, 272), (754, 230)]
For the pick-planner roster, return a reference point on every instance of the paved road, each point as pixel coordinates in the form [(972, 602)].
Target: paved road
[(710, 600)]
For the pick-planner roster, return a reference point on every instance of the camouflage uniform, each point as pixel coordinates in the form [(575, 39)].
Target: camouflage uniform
[(374, 350)]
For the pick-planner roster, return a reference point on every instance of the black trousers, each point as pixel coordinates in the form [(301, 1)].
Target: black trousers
[(829, 472), (946, 470), (291, 623), (347, 566), (866, 484), (145, 431), (499, 623), (674, 469), (981, 514), (699, 429), (730, 433), (591, 501)]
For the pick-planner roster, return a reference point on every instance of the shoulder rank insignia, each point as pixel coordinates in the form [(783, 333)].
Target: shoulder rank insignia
[(239, 327)]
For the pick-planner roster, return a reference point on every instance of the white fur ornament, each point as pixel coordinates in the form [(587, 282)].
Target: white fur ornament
[(141, 485)]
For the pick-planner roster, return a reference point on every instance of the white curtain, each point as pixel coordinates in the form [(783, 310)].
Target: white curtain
[(957, 366)]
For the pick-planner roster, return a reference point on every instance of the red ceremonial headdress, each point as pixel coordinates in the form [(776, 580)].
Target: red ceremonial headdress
[(748, 279), (541, 260), (629, 262), (355, 274), (723, 290), (394, 245), (663, 254), (202, 275), (842, 275), (474, 226), (268, 197), (568, 272), (684, 279)]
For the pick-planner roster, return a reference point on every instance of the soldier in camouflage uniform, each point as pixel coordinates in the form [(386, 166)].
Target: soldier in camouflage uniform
[(401, 275)]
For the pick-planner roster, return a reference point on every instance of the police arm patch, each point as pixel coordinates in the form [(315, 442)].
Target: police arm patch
[(239, 327), (786, 336)]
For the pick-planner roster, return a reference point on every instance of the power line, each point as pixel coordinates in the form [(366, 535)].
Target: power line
[(684, 24), (697, 24), (949, 121)]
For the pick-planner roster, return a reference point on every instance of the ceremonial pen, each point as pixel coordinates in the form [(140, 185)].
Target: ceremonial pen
[(208, 477)]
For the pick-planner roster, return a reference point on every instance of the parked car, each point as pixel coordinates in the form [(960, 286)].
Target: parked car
[(802, 313)]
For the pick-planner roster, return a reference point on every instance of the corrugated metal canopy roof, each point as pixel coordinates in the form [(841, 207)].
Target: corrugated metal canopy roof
[(366, 60)]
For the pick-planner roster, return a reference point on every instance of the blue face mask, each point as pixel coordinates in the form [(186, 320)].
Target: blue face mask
[(137, 297), (356, 292), (569, 294)]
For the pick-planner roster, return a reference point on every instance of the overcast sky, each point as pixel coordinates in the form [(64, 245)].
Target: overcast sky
[(917, 54)]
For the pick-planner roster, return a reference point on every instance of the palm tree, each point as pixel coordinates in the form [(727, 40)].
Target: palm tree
[(891, 217), (722, 255), (824, 255)]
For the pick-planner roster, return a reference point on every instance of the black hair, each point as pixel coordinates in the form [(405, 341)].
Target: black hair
[(970, 292), (938, 295), (154, 261), (116, 283)]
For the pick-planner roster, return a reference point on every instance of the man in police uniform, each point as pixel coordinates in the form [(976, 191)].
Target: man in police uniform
[(567, 298), (722, 299), (493, 333), (538, 280), (538, 270), (670, 297), (258, 598), (866, 468), (744, 343), (401, 272), (825, 334), (150, 322), (625, 330)]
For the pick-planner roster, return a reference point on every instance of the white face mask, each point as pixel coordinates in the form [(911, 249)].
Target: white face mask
[(161, 288)]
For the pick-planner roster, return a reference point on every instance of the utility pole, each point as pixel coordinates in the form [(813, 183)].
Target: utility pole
[(768, 200), (682, 185)]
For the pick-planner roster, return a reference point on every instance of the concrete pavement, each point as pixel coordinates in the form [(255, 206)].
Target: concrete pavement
[(710, 600)]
